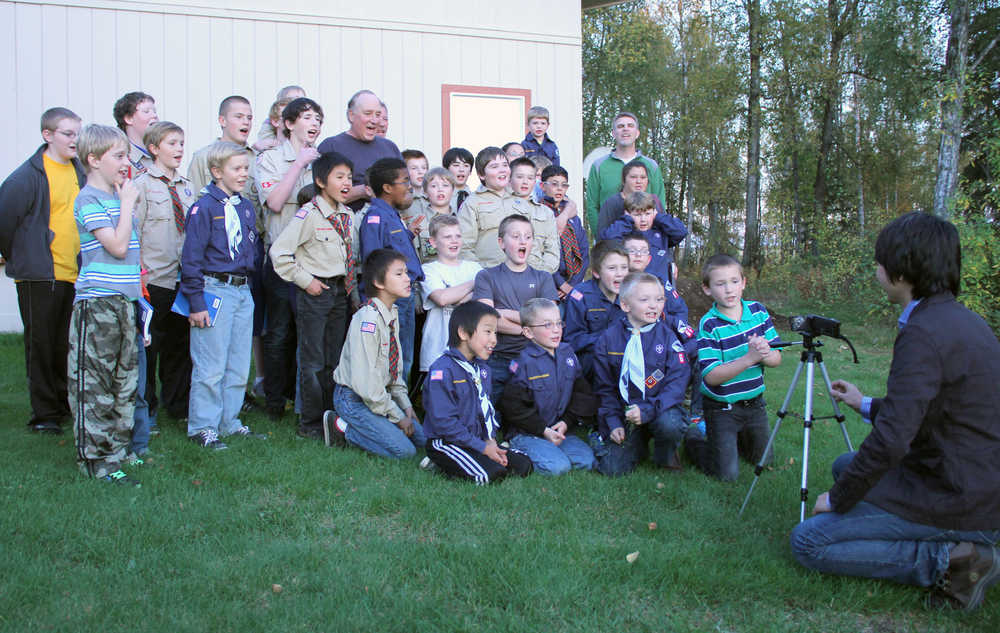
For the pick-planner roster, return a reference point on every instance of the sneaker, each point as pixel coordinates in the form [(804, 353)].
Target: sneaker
[(134, 460), (972, 569), (428, 465), (47, 427), (334, 429), (120, 478), (311, 432), (208, 439), (244, 431)]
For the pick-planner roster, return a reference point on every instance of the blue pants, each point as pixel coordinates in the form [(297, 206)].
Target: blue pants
[(738, 430), (549, 459), (372, 432), (667, 430), (407, 332), (870, 542), (220, 355)]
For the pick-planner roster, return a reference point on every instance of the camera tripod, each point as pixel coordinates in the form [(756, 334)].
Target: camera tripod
[(809, 359)]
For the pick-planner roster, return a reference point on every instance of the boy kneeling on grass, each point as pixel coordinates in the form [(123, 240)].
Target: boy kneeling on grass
[(370, 393), (460, 418)]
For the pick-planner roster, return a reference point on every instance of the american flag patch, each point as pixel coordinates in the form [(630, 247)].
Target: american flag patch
[(302, 213), (437, 374), (513, 366), (576, 294), (368, 326), (194, 210), (266, 185), (681, 357), (676, 296), (374, 219)]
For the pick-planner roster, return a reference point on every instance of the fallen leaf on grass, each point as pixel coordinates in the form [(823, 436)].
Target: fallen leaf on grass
[(659, 485), (276, 588), (652, 525), (196, 482), (631, 557)]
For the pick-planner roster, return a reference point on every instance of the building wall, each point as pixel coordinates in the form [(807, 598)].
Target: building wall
[(87, 53)]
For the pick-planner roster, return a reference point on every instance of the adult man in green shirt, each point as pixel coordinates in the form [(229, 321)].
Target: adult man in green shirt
[(605, 177)]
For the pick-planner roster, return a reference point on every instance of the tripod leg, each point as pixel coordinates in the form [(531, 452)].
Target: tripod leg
[(807, 420), (782, 412), (836, 408)]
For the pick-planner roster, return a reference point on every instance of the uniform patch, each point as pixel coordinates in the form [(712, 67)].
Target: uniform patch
[(651, 382), (661, 252), (302, 213), (194, 210), (659, 348), (187, 192), (513, 366), (571, 362), (266, 185), (437, 374), (531, 285), (576, 294), (676, 296), (482, 372), (374, 219), (368, 326)]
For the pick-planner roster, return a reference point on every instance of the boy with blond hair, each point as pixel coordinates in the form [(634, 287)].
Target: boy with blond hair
[(536, 141), (39, 239), (103, 365)]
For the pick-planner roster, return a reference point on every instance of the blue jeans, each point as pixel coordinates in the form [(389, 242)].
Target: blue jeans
[(870, 542), (221, 362), (550, 459), (667, 431), (407, 332), (372, 432), (142, 421)]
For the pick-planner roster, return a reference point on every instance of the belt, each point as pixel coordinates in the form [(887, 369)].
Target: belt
[(727, 406), (331, 280), (226, 278)]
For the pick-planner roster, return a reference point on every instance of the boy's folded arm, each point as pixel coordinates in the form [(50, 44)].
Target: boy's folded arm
[(618, 228), (518, 408), (672, 226)]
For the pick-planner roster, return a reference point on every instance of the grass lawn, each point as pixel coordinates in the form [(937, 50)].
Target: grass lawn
[(287, 535)]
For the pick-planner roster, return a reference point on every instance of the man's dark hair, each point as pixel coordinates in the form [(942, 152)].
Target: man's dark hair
[(294, 110), (377, 265), (554, 170), (126, 106), (229, 102), (457, 153), (467, 317), (922, 250), (521, 161), (383, 172), (323, 165)]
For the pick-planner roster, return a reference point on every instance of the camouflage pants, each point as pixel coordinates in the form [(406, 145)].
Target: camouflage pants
[(103, 370)]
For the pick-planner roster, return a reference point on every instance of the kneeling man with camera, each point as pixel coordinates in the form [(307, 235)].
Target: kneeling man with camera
[(918, 502)]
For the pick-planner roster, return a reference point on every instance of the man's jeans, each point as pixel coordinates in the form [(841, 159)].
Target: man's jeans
[(667, 431), (869, 542), (550, 459), (372, 432), (220, 355)]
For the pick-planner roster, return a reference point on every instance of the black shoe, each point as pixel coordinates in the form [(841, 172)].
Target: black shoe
[(120, 478), (334, 429), (208, 439), (46, 426), (275, 413), (311, 432), (249, 403), (972, 569)]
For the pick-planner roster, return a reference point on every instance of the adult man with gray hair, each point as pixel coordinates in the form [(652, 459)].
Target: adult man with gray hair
[(361, 142)]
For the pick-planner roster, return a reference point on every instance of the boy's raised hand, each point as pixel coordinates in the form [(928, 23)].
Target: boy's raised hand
[(306, 156), (128, 194), (757, 347), (495, 453)]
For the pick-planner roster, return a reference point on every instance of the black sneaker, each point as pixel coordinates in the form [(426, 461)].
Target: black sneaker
[(244, 431), (249, 404), (334, 429), (120, 478), (311, 432), (46, 426), (208, 439), (275, 413)]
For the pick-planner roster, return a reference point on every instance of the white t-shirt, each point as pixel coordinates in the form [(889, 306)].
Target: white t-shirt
[(438, 276)]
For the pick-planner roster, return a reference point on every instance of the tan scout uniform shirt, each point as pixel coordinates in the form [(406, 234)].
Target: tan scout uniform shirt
[(200, 175), (272, 165), (422, 241), (479, 219), (139, 161), (364, 363), (310, 247), (160, 241), (545, 249)]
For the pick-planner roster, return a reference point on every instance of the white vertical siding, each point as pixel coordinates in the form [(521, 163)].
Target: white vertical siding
[(86, 54)]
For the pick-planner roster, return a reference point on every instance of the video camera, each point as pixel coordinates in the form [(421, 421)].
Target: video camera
[(813, 325)]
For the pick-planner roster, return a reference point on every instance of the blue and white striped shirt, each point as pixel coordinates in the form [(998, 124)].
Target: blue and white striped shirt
[(102, 274)]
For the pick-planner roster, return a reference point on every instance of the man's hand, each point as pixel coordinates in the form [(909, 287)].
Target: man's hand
[(617, 436), (414, 225), (847, 393), (822, 504), (199, 319), (495, 453), (316, 287)]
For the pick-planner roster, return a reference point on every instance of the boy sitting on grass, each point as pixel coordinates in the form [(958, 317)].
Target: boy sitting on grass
[(593, 305), (733, 348), (370, 391), (547, 395), (641, 371), (460, 418)]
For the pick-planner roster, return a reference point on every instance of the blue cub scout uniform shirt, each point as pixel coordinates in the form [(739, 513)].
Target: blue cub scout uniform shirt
[(667, 372), (549, 378), (452, 411), (588, 314), (666, 233), (383, 228), (547, 148)]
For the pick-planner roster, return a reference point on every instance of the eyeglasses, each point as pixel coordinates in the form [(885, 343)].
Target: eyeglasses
[(549, 325), (404, 181), (637, 251), (69, 134), (557, 185)]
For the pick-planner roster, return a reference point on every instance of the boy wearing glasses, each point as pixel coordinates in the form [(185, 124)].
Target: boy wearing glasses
[(547, 395), (39, 239)]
